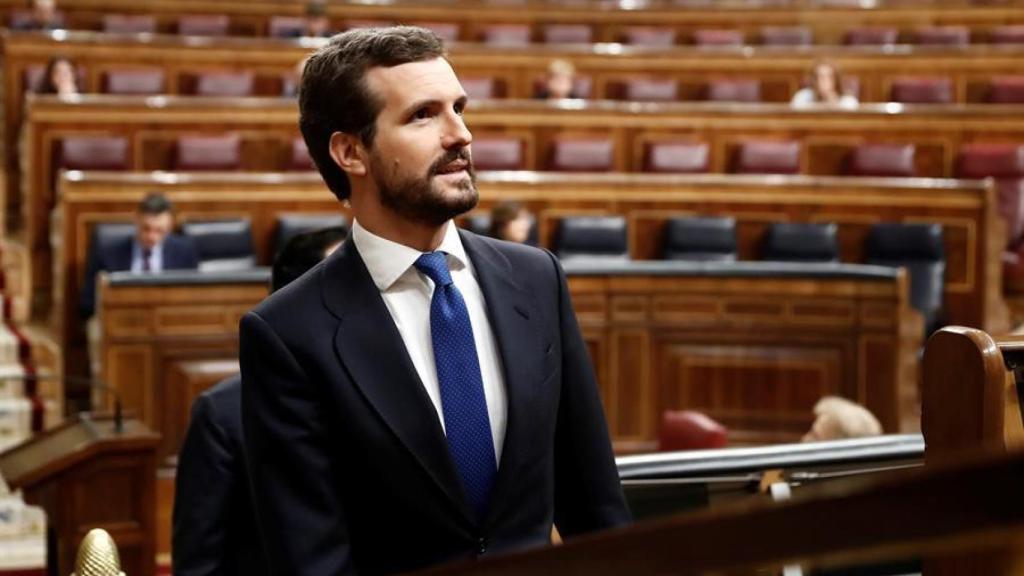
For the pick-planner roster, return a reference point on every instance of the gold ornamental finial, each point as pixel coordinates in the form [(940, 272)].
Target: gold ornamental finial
[(97, 555)]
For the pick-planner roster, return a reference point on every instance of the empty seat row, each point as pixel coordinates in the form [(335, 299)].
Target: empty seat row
[(917, 247), (191, 153)]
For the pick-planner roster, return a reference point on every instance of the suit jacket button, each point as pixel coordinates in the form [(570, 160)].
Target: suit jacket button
[(481, 546)]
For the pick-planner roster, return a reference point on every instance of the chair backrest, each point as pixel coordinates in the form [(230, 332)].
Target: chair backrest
[(198, 153), (478, 223), (1006, 90), (578, 154), (1007, 35), (222, 244), (991, 159), (203, 25), (108, 234), (690, 430), (225, 83), (801, 242), (291, 224), (653, 36), (733, 90), (871, 36), (94, 153), (286, 26), (482, 87), (768, 157), (943, 36), (718, 37), (787, 36), (134, 81), (568, 34), (592, 238), (678, 156), (506, 35), (918, 248), (498, 153), (129, 23), (706, 239), (1010, 197), (922, 90), (300, 158), (891, 160), (650, 90)]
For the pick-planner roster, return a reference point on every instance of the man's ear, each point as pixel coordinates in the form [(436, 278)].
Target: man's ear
[(348, 153)]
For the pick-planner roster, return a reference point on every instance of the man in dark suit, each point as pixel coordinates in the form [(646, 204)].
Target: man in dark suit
[(151, 249), (214, 522), (424, 394)]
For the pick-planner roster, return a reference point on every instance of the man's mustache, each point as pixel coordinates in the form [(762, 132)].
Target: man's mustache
[(452, 156)]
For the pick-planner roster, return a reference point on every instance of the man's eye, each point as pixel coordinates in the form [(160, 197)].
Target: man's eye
[(421, 114)]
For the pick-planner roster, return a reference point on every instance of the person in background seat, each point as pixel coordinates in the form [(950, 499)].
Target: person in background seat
[(511, 221), (58, 78), (152, 249), (825, 86), (839, 418)]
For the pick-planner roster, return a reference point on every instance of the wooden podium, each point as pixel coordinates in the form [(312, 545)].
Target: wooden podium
[(86, 474)]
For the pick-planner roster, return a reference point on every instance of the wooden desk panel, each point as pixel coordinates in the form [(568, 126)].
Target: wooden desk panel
[(658, 342)]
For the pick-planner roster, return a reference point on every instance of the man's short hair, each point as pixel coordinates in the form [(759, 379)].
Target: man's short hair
[(155, 203), (333, 96), (301, 253)]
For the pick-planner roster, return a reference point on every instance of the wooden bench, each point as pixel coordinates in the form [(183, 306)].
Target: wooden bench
[(971, 392), (828, 21)]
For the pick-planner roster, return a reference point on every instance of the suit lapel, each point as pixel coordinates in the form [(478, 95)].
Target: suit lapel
[(371, 349), (516, 326)]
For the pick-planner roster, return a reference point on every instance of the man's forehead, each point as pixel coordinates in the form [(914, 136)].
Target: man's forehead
[(414, 80)]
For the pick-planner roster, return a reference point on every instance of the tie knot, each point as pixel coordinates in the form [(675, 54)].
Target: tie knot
[(435, 266)]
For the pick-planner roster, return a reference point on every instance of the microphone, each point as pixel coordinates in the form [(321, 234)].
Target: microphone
[(97, 555)]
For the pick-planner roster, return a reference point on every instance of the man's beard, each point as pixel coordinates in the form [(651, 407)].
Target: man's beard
[(420, 199)]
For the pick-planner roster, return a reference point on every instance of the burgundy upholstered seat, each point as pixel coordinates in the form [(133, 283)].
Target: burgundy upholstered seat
[(199, 153), (677, 156), (94, 153), (768, 157), (134, 81), (225, 84), (204, 25), (922, 90), (690, 430), (498, 153), (129, 24), (891, 160), (582, 154), (733, 90)]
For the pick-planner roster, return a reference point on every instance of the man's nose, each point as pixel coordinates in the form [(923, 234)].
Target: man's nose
[(457, 135)]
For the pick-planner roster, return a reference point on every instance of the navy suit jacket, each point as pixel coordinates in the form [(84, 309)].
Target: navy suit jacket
[(349, 464), (214, 522), (179, 254)]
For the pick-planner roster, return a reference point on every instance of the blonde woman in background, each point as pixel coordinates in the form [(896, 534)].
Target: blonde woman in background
[(839, 418)]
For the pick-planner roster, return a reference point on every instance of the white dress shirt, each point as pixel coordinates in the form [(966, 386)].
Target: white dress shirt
[(407, 293), (156, 257)]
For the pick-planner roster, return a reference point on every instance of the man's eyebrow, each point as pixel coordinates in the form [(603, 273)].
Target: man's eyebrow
[(460, 101), (419, 104)]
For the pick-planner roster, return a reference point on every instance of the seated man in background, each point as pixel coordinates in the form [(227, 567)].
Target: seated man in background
[(214, 521), (152, 249)]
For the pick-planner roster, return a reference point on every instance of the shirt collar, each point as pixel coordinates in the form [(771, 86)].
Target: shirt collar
[(387, 260)]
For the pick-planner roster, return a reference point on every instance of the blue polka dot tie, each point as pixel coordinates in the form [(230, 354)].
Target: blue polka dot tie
[(466, 423)]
